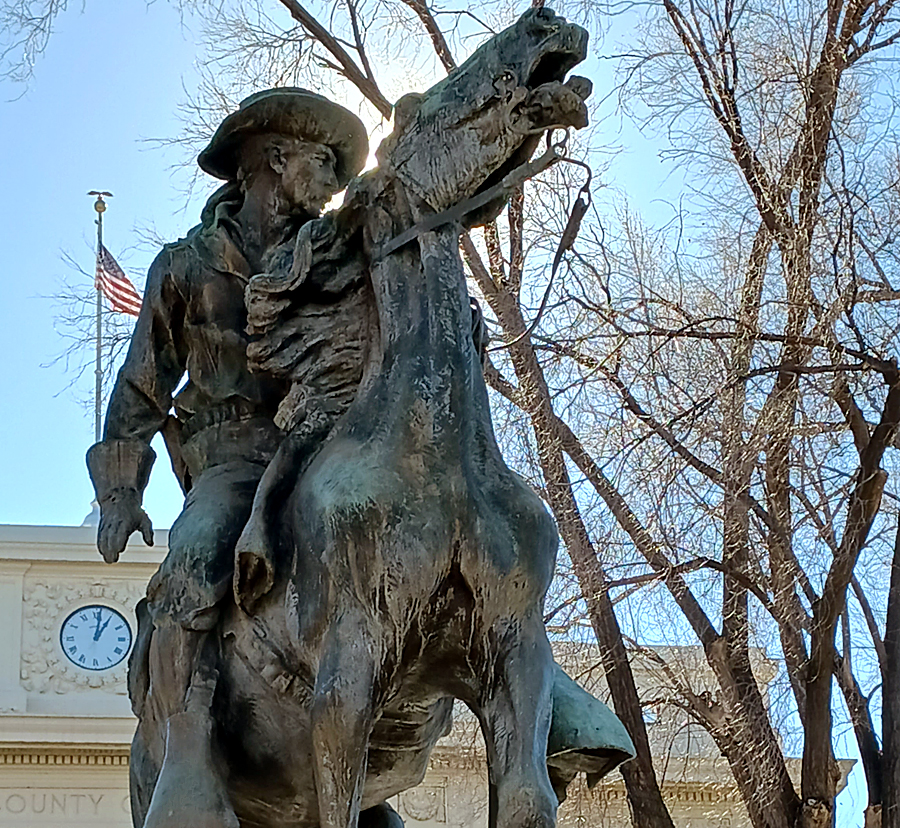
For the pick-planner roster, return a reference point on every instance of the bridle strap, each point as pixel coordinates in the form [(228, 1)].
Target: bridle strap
[(510, 182)]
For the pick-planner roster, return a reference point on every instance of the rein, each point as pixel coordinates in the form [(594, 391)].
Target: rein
[(569, 234), (554, 153)]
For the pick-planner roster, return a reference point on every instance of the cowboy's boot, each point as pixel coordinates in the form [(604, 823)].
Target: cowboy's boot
[(585, 736), (189, 792), (380, 816)]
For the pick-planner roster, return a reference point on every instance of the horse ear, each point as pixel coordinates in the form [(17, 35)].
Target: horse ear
[(405, 110)]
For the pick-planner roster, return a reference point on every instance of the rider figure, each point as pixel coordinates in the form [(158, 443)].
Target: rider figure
[(283, 154)]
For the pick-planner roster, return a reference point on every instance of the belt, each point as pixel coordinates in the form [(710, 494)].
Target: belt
[(252, 440), (235, 410)]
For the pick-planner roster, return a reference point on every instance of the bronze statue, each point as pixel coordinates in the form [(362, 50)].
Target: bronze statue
[(393, 561)]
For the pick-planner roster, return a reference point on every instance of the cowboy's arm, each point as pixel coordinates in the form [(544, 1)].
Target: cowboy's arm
[(120, 464)]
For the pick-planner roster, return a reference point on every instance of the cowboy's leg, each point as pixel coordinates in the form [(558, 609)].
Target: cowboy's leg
[(254, 573), (183, 599)]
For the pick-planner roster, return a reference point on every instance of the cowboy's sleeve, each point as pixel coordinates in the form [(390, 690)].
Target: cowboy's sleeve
[(142, 395)]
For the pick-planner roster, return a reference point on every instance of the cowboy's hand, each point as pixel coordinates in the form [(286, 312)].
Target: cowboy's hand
[(120, 515)]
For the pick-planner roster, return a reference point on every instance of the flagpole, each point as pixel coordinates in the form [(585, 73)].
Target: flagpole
[(100, 207)]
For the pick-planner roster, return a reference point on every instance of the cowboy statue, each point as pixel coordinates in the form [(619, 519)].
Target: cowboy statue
[(283, 155)]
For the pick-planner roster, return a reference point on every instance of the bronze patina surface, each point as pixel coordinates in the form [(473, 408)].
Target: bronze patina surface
[(354, 553)]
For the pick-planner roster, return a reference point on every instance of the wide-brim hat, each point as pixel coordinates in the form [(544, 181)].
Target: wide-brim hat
[(297, 113)]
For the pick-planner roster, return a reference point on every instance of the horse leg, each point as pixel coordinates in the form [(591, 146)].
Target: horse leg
[(342, 717), (515, 720)]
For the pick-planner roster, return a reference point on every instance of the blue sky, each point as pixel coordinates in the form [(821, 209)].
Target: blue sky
[(111, 79)]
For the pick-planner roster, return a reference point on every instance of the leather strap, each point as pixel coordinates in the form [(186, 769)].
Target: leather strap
[(505, 187)]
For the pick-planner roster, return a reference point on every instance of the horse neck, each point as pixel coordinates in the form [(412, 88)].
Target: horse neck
[(423, 305)]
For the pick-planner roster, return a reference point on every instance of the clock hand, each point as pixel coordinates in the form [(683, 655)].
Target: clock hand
[(97, 615), (101, 629)]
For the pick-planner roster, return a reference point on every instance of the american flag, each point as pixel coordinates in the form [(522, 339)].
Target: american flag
[(112, 282)]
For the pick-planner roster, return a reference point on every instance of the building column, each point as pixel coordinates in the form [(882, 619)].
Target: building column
[(12, 582)]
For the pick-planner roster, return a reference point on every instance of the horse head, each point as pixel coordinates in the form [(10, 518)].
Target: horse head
[(486, 117)]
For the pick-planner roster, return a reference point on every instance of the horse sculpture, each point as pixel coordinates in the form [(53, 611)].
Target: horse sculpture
[(399, 564)]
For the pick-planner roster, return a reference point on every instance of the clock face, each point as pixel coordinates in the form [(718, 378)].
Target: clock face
[(95, 637)]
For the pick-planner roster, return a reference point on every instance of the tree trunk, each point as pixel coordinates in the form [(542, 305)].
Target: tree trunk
[(890, 814), (638, 774), (645, 800)]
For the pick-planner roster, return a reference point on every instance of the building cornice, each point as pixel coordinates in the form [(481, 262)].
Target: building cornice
[(46, 733), (67, 755), (73, 543), (93, 756)]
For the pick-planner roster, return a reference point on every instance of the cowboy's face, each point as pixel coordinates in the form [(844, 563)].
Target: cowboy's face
[(307, 170)]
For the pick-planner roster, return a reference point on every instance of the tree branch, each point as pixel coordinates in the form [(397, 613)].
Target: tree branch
[(348, 67)]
